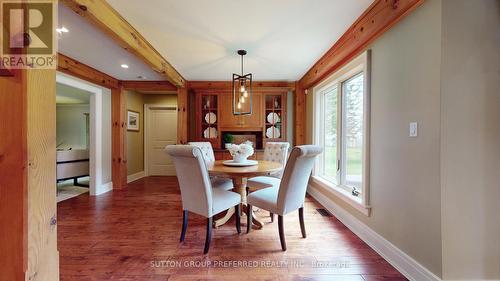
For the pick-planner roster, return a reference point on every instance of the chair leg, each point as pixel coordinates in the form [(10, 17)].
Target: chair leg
[(249, 217), (301, 219), (238, 218), (272, 216), (282, 232), (209, 235), (184, 224)]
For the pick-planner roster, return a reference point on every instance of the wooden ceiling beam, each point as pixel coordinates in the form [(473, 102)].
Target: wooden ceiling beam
[(73, 67), (256, 85), (378, 18), (149, 86), (103, 16)]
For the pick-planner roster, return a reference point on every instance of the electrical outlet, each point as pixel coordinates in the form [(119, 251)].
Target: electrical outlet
[(413, 129)]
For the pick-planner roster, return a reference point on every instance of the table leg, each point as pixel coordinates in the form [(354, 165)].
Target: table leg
[(223, 220), (240, 185)]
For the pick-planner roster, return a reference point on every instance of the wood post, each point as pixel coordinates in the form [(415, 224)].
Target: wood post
[(182, 117), (13, 177), (28, 221), (119, 137), (300, 114)]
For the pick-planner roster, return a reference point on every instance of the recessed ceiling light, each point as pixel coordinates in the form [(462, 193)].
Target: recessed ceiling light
[(124, 66), (62, 30)]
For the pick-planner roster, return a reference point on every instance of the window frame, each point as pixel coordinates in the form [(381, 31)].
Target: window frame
[(360, 64)]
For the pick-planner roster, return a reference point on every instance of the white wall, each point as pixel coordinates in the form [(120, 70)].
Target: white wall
[(470, 141), (71, 125), (437, 197), (404, 173)]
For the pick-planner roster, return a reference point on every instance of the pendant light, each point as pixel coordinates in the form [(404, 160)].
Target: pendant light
[(242, 90)]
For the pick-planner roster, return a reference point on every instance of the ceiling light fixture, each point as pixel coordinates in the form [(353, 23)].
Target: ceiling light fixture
[(124, 66), (242, 90), (62, 30)]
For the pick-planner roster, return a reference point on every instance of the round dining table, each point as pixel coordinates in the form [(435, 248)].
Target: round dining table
[(239, 176)]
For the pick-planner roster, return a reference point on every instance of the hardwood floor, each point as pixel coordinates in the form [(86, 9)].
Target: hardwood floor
[(133, 234)]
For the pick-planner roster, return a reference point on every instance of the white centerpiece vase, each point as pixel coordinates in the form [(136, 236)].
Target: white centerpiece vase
[(240, 158), (240, 152)]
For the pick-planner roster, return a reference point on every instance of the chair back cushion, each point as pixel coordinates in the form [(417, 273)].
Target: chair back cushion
[(276, 152), (194, 181), (206, 149), (295, 178)]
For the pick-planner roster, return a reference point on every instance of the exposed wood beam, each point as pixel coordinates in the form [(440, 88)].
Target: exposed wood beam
[(104, 17), (256, 85), (378, 18), (149, 86), (73, 67)]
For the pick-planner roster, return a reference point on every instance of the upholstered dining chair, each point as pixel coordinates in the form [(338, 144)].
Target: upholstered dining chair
[(289, 194), (197, 193), (209, 157), (274, 152)]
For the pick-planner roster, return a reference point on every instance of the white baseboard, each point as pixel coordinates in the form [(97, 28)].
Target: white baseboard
[(104, 188), (405, 264), (136, 176)]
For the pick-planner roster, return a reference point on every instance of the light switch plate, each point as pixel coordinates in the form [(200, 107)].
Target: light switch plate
[(413, 129)]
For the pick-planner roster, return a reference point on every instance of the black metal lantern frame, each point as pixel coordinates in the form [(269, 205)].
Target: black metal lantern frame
[(242, 91)]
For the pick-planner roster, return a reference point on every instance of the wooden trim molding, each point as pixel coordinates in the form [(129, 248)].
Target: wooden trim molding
[(378, 18), (256, 85), (75, 68), (149, 86), (104, 17)]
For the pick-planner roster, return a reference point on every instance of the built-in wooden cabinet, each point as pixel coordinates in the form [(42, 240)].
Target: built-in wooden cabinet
[(214, 117)]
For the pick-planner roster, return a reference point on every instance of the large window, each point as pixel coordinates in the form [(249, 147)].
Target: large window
[(341, 128)]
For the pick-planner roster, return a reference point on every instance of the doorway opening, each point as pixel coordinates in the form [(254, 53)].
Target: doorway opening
[(72, 141), (83, 137), (152, 124)]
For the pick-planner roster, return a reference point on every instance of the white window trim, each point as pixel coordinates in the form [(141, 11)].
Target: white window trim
[(358, 64)]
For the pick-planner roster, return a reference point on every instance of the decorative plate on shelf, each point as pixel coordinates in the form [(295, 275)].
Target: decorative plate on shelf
[(273, 133), (210, 118), (273, 118), (210, 133), (240, 164)]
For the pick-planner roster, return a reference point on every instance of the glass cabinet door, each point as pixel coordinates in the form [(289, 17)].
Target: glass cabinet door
[(209, 117), (274, 117)]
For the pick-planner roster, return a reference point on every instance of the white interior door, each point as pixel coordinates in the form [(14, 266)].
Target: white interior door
[(161, 131)]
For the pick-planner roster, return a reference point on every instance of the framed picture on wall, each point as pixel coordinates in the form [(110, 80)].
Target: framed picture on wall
[(133, 120)]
